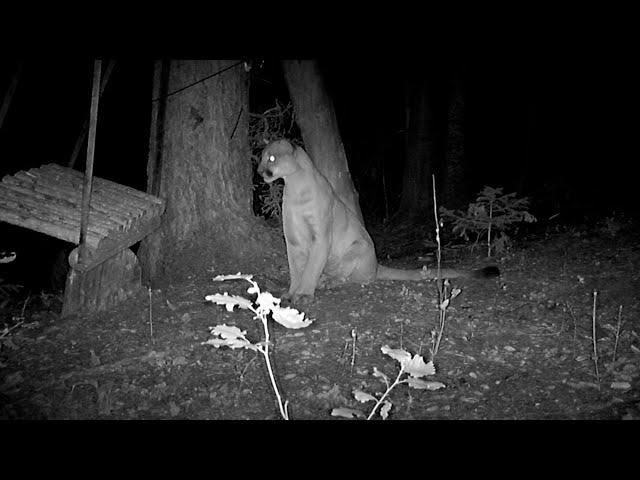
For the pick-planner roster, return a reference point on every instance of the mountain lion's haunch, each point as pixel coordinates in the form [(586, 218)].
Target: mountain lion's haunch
[(323, 235)]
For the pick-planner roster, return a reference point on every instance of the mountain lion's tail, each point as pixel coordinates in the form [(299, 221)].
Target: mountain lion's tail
[(386, 273)]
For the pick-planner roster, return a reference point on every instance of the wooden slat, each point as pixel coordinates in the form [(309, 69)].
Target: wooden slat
[(34, 221), (110, 246), (57, 211), (61, 189), (113, 194), (47, 199), (46, 209), (108, 183)]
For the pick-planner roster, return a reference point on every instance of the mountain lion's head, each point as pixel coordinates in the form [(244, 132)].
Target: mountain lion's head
[(278, 161)]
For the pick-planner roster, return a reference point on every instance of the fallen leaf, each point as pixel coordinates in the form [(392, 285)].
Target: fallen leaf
[(581, 385), (347, 413), (379, 374), (229, 301), (384, 410), (180, 360), (290, 317), (173, 409), (420, 384), (396, 353), (417, 368), (363, 397), (621, 385)]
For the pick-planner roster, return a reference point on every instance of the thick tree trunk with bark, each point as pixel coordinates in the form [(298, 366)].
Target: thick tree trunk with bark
[(199, 161), (316, 117)]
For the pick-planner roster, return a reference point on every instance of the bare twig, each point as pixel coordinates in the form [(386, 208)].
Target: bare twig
[(150, 315), (575, 327), (615, 345), (442, 291), (264, 350), (435, 215), (6, 332), (593, 336), (343, 355), (389, 388), (489, 229), (353, 349)]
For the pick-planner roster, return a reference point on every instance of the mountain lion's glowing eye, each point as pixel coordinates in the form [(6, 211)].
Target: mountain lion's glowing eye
[(272, 158)]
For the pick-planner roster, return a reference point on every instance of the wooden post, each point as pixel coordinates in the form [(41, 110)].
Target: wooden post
[(158, 109), (110, 283), (85, 127), (88, 173), (10, 91)]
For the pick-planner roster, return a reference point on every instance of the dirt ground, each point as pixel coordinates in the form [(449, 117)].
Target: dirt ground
[(517, 347)]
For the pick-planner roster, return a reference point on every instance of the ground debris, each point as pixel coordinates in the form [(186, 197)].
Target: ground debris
[(516, 348)]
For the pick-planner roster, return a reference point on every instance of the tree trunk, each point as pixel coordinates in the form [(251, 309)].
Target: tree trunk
[(454, 182), (416, 184), (528, 154), (199, 161), (316, 117)]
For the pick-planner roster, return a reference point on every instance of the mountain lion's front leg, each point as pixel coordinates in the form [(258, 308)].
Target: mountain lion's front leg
[(317, 242)]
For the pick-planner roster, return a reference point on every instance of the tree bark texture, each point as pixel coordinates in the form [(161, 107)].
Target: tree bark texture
[(199, 161), (316, 117), (103, 287)]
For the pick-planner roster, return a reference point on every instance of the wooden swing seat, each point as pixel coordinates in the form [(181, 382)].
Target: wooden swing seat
[(48, 199)]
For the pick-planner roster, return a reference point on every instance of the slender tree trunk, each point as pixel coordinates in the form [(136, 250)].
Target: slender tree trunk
[(316, 117), (199, 161), (455, 184), (416, 191), (527, 156)]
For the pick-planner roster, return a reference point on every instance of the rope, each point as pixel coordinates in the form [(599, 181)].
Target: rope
[(198, 81)]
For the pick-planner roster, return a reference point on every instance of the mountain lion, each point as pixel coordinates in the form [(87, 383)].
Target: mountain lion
[(324, 237)]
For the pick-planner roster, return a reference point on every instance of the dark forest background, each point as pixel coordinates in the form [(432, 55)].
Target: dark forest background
[(549, 125)]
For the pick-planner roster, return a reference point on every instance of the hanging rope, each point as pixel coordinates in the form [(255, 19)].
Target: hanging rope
[(198, 81)]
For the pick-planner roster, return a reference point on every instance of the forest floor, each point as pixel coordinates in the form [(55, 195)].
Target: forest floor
[(517, 347)]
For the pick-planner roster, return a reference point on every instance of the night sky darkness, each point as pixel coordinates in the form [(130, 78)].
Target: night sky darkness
[(576, 159)]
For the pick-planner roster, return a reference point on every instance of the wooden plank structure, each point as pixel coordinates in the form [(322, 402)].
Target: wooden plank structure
[(48, 199), (102, 217)]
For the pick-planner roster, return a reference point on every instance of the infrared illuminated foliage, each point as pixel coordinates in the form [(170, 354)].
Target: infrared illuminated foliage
[(412, 367), (491, 212), (264, 305)]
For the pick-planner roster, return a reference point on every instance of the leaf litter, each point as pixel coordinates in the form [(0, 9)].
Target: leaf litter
[(519, 347)]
